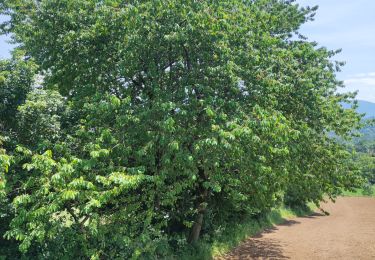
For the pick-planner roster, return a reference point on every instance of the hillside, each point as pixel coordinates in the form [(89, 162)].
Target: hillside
[(364, 107), (368, 132)]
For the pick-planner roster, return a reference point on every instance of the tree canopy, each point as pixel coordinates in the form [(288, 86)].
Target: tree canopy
[(128, 127)]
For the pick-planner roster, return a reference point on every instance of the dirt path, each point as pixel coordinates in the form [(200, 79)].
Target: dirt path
[(347, 233)]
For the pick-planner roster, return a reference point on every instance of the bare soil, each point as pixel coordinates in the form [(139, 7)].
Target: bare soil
[(347, 233)]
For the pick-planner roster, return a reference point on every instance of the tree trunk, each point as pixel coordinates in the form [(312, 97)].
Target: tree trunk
[(196, 229), (197, 226)]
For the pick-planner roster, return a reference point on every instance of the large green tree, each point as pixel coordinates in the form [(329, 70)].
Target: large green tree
[(155, 117)]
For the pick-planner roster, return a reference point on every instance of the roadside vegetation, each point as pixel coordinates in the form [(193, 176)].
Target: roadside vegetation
[(364, 158), (366, 191), (142, 129)]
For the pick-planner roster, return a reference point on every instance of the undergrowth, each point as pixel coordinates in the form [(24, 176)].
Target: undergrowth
[(366, 191)]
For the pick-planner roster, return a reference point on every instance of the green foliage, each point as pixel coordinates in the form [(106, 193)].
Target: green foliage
[(16, 80), (156, 121), (366, 190), (366, 163), (365, 157), (39, 118)]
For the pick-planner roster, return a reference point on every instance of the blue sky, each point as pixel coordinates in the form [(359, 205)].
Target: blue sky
[(345, 24), (349, 25), (4, 46)]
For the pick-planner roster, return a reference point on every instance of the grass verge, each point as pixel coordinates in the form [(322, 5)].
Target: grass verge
[(234, 234), (368, 191)]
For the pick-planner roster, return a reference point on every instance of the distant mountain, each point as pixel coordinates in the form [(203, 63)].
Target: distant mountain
[(364, 107), (368, 132)]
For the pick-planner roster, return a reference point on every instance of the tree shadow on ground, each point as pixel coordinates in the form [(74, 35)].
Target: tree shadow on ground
[(275, 228), (257, 247), (314, 215)]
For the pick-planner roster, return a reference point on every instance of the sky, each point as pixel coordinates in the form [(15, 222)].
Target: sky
[(348, 25), (4, 46), (339, 24)]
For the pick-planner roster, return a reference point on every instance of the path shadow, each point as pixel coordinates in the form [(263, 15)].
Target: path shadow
[(314, 215), (288, 223), (258, 249), (275, 228)]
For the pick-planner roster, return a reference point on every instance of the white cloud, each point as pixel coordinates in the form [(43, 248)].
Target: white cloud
[(364, 83)]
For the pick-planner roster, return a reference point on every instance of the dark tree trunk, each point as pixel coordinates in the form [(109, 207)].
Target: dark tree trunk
[(196, 229), (197, 226)]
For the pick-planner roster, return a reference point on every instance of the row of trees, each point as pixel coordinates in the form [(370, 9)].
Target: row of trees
[(130, 126), (365, 157)]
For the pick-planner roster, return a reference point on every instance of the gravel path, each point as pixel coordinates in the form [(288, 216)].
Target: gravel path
[(347, 233)]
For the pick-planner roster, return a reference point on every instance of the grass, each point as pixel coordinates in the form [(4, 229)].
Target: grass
[(368, 191), (236, 233)]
